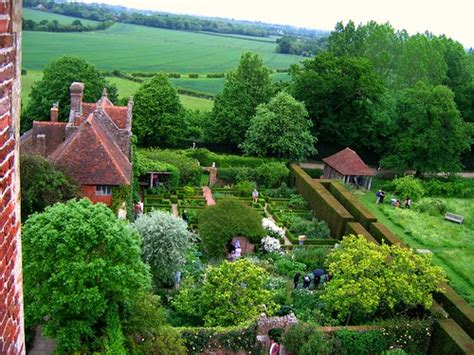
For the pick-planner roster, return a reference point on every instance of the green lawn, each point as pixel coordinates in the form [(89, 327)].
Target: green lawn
[(452, 244), (138, 48), (26, 82), (37, 16)]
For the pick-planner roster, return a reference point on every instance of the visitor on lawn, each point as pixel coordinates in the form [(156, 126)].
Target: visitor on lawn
[(382, 196), (255, 196), (408, 202), (377, 195)]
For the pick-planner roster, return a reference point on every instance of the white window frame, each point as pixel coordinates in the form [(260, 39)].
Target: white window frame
[(103, 190)]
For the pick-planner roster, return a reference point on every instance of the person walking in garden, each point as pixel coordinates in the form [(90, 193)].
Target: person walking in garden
[(296, 279), (255, 196), (274, 347), (317, 276), (184, 216), (306, 281), (382, 196), (377, 195), (408, 202)]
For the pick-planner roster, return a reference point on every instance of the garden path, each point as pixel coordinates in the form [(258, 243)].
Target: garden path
[(286, 241), (206, 191)]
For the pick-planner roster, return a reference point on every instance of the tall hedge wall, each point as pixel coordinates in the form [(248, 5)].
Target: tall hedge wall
[(358, 229), (382, 233), (323, 204), (350, 203), (449, 338)]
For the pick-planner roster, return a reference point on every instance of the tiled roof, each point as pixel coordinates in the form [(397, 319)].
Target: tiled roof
[(118, 114), (91, 157), (347, 162)]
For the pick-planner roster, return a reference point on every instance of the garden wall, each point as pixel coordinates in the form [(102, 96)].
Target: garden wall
[(350, 203), (323, 204), (358, 229), (449, 338), (382, 233)]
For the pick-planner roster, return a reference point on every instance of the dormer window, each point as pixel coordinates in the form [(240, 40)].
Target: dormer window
[(103, 190)]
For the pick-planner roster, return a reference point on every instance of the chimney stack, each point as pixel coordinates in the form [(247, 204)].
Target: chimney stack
[(54, 112), (77, 92)]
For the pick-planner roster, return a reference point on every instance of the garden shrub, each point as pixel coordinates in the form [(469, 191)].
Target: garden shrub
[(215, 75), (432, 206), (143, 164), (287, 267), (245, 188), (314, 173), (408, 186), (318, 343), (234, 175), (312, 258), (189, 169), (272, 174), (456, 187), (296, 336), (193, 76), (311, 229), (226, 220), (197, 340), (232, 293), (297, 202), (283, 191), (361, 343)]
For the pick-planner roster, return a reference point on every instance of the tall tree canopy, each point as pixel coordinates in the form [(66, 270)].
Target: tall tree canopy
[(81, 264), (42, 185), (245, 88), (158, 116), (265, 135), (340, 94), (431, 133), (54, 87)]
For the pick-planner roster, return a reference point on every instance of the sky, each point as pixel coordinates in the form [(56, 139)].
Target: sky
[(454, 18)]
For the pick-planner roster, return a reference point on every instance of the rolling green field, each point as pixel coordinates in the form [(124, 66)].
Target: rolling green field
[(125, 88), (37, 16), (450, 243), (138, 48)]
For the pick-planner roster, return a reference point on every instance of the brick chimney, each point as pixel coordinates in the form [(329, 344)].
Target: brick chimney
[(77, 92), (54, 112)]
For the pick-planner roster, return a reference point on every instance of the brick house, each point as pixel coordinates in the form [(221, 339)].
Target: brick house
[(93, 147)]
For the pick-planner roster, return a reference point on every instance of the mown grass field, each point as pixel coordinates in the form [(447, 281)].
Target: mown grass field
[(451, 244), (125, 87), (138, 48), (37, 16)]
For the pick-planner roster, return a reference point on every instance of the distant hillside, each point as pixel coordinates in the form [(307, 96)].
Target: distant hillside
[(104, 12), (138, 48)]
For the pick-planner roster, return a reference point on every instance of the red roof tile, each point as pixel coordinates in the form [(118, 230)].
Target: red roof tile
[(118, 114), (347, 162), (92, 158)]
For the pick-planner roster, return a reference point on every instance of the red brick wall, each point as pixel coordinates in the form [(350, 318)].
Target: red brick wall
[(89, 192), (11, 285)]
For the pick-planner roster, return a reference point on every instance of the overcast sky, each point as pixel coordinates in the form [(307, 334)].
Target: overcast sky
[(454, 18)]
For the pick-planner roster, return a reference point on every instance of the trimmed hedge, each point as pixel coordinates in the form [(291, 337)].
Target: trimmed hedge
[(356, 228), (232, 339), (294, 240), (324, 205), (382, 233), (457, 308), (347, 199), (449, 338)]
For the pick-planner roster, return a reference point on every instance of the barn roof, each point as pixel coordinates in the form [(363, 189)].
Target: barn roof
[(348, 162)]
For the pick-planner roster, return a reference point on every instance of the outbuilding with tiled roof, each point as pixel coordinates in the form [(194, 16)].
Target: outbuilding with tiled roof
[(347, 166)]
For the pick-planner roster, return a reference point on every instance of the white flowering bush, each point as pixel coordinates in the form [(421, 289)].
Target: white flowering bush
[(272, 229), (271, 245)]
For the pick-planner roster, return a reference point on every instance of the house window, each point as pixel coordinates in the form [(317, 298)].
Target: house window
[(103, 190)]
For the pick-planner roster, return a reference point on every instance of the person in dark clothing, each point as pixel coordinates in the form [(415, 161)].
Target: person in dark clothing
[(382, 196), (317, 276), (306, 281), (296, 279), (184, 216)]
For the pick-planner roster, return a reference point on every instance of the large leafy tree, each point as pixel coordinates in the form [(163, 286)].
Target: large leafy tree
[(369, 279), (54, 87), (42, 185), (232, 293), (80, 265), (340, 94), (158, 116), (431, 135), (265, 136), (245, 88), (165, 243)]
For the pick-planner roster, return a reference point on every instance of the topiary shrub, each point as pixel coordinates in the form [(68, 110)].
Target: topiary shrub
[(271, 175), (408, 186), (245, 188), (226, 220)]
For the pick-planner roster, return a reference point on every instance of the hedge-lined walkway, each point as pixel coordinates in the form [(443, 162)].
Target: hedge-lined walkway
[(207, 193)]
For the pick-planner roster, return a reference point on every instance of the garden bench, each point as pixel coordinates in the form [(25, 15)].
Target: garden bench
[(454, 217)]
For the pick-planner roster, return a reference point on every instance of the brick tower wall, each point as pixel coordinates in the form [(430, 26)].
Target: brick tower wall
[(11, 290)]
